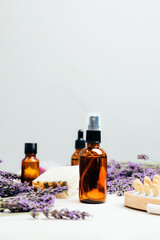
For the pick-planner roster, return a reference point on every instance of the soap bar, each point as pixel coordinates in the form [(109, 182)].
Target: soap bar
[(59, 176)]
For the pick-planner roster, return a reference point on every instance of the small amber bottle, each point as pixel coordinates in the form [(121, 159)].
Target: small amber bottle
[(30, 164), (79, 145), (93, 167)]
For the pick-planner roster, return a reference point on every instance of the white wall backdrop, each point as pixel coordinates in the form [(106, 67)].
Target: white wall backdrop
[(60, 60)]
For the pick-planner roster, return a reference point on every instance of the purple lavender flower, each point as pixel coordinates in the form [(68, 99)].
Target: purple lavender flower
[(34, 213), (9, 187), (59, 189), (143, 156), (66, 214), (63, 214), (29, 201), (121, 175), (9, 175), (1, 160), (46, 212)]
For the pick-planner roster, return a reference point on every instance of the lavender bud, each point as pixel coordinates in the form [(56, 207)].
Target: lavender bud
[(64, 214), (34, 213)]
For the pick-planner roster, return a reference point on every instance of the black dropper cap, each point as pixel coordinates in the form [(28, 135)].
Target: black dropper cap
[(93, 134), (30, 148), (80, 142)]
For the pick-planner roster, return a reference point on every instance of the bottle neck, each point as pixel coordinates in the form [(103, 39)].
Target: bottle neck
[(78, 149), (93, 145), (30, 155)]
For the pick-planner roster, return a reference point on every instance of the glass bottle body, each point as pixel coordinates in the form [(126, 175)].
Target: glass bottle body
[(29, 168), (75, 157), (93, 174)]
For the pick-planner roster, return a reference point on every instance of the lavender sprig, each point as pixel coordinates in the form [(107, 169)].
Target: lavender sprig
[(121, 175), (27, 201), (142, 156), (9, 175), (60, 189), (64, 214), (9, 187)]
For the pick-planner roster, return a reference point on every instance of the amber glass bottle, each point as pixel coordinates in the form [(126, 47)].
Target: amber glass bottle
[(30, 164), (75, 157), (79, 145), (93, 167)]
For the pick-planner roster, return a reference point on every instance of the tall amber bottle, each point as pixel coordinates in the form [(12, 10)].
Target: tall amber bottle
[(30, 164), (93, 166), (79, 145)]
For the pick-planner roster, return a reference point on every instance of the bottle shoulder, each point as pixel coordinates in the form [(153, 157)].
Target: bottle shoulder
[(93, 152), (30, 159), (75, 155)]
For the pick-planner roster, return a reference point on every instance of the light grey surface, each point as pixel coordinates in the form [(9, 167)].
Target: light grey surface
[(110, 221), (60, 60)]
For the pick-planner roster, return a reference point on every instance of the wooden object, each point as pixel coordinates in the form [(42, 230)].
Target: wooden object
[(139, 201)]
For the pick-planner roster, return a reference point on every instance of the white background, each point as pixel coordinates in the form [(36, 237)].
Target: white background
[(61, 59)]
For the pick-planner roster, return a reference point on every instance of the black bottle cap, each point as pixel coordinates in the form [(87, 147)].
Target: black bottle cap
[(30, 148), (80, 142), (93, 136)]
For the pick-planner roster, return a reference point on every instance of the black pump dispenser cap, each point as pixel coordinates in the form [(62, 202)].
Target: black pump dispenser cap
[(80, 142), (30, 148), (93, 134)]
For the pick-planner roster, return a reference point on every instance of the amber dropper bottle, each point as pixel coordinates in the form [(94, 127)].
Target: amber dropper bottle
[(93, 166), (30, 164), (79, 145)]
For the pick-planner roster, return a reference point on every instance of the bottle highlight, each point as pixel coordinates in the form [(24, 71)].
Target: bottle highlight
[(30, 164), (93, 166), (79, 145)]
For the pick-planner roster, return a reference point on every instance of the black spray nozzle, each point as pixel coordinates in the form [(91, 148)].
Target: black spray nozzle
[(94, 123)]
